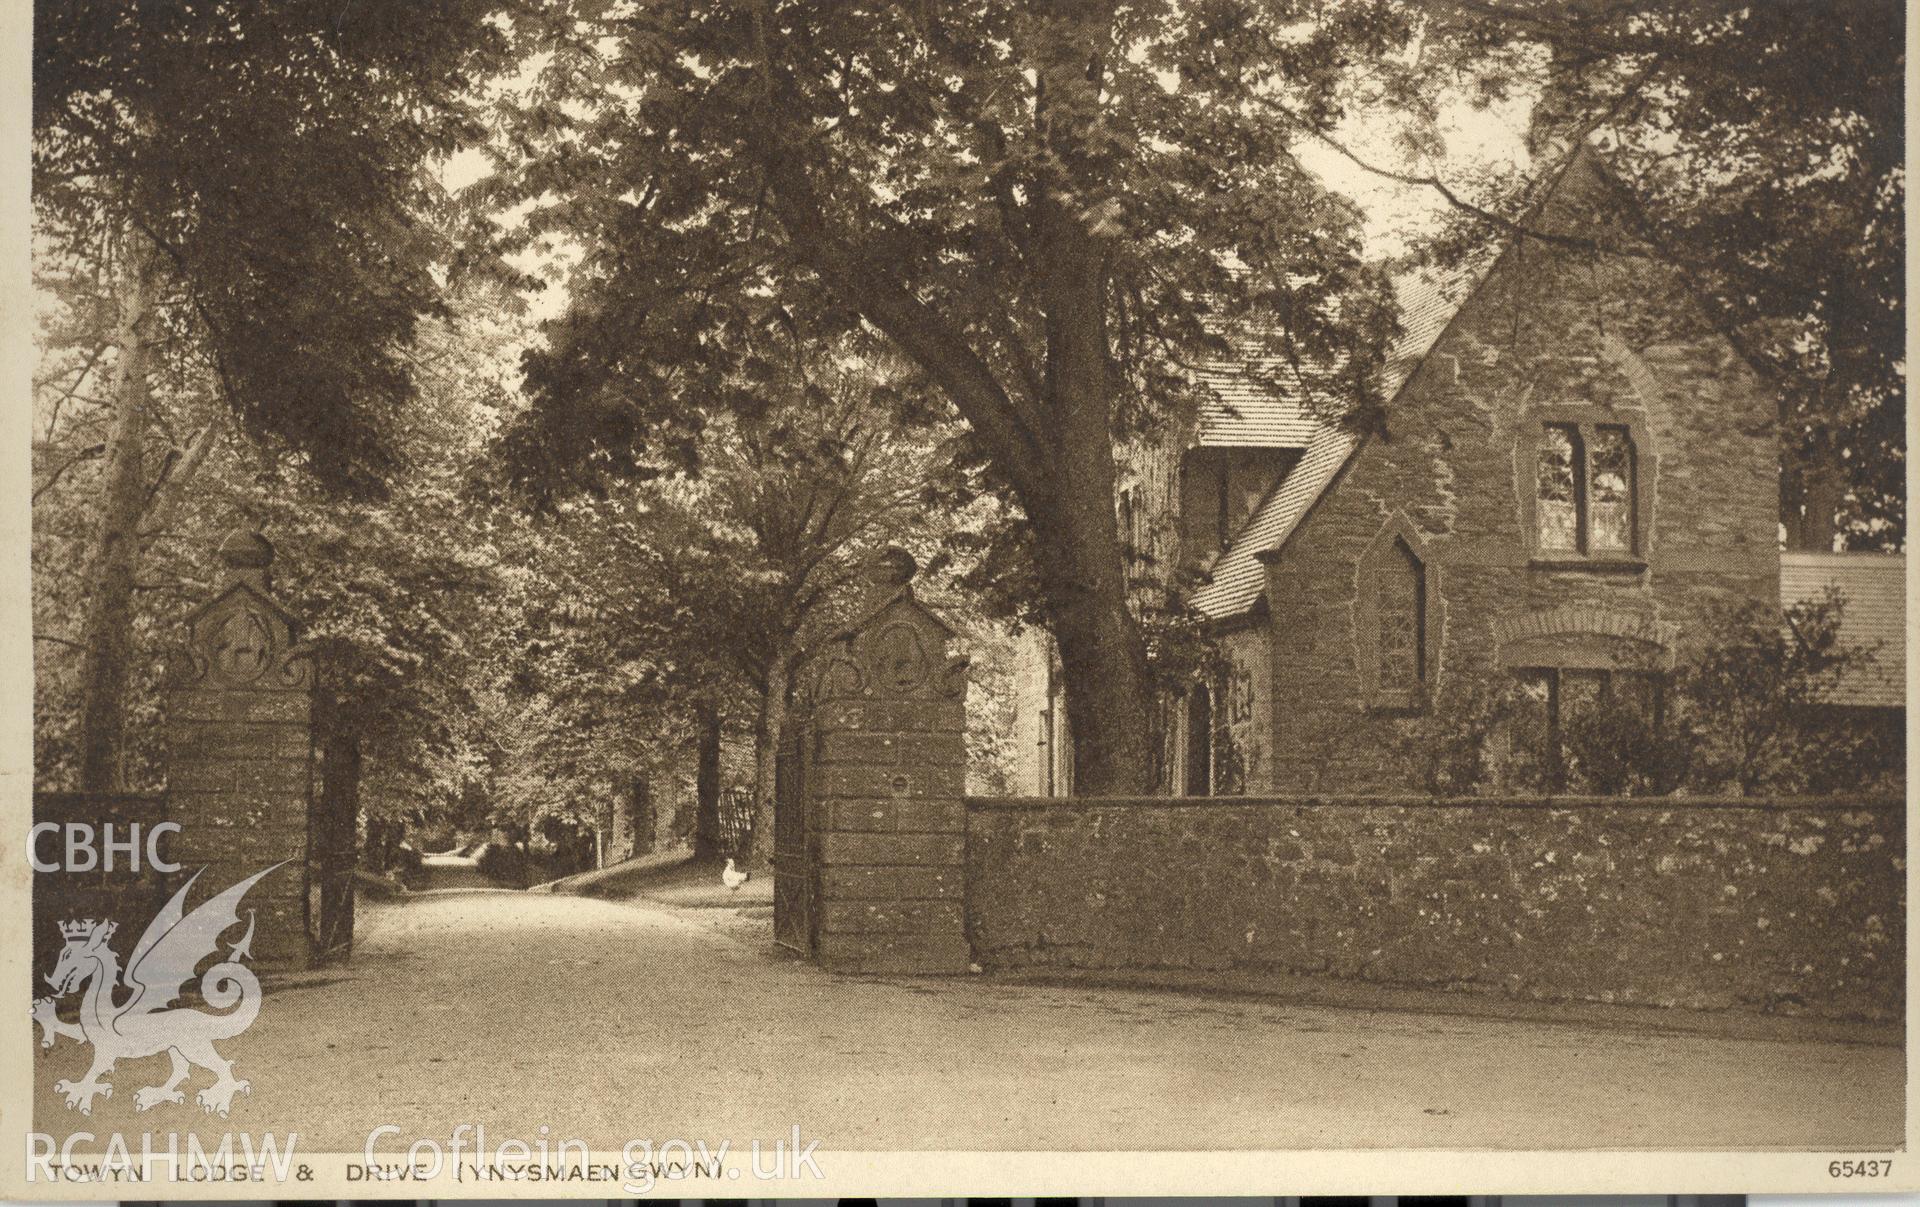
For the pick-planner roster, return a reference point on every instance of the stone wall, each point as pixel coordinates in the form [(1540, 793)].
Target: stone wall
[(1790, 906), (124, 893)]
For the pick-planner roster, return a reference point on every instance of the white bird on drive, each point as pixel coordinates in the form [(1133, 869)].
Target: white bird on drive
[(733, 877)]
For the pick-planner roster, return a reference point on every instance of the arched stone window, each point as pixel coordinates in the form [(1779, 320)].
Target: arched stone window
[(1570, 661), (1586, 488), (1396, 622), (1402, 619)]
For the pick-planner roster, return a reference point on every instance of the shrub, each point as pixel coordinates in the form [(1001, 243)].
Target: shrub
[(1757, 701), (406, 864), (503, 862), (1853, 751), (1452, 750), (1748, 713), (1615, 749)]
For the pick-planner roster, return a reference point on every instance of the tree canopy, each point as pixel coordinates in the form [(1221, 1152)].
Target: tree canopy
[(1029, 222), (279, 158), (1051, 214), (1054, 213), (1764, 145)]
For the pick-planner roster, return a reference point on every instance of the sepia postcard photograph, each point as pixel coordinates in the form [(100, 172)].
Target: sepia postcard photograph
[(628, 598)]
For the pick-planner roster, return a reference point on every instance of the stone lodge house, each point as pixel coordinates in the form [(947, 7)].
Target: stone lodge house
[(1577, 470)]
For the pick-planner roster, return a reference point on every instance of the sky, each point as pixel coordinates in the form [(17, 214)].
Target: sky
[(1495, 136)]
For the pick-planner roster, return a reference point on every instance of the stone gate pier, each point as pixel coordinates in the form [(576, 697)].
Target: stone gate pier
[(240, 752), (884, 772)]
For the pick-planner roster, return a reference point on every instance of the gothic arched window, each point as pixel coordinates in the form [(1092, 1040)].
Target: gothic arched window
[(1402, 615), (1395, 625)]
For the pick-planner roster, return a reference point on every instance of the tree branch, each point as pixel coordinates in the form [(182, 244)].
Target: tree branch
[(86, 454), (183, 468), (1659, 252), (914, 325), (93, 358)]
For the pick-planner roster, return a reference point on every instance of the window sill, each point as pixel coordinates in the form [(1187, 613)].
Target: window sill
[(1597, 565), (1396, 704)]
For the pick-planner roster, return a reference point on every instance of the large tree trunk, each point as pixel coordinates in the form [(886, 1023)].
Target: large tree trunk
[(1818, 489), (336, 834), (1102, 655), (107, 639), (1057, 450), (644, 817), (706, 782), (767, 733), (339, 803), (1083, 566)]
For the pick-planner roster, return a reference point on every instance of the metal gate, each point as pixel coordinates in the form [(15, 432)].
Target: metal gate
[(736, 822), (795, 888), (332, 851)]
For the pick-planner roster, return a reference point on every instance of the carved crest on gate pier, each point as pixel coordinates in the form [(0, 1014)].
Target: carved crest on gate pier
[(241, 637)]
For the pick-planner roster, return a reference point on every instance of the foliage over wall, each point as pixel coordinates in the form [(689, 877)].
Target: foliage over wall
[(1747, 714)]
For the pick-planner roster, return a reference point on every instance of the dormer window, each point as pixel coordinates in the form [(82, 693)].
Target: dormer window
[(1586, 502), (1220, 488)]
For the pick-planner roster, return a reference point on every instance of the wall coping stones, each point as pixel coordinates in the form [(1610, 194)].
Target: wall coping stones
[(86, 802), (1821, 804)]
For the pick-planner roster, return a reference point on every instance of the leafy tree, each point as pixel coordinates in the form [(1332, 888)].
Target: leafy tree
[(1755, 703), (730, 576), (1052, 213), (1049, 212), (393, 589), (253, 177), (1763, 145), (795, 503), (578, 688), (75, 424), (396, 590)]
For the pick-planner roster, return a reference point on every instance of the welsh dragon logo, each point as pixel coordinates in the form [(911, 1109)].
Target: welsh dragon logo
[(157, 972)]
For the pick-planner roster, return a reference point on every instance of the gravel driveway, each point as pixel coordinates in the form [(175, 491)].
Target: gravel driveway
[(618, 1020)]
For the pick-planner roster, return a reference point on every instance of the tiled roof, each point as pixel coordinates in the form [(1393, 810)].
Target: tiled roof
[(1237, 577), (1244, 405), (1427, 305), (1873, 588)]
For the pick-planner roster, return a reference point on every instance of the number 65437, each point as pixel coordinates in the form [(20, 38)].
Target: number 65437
[(1875, 1168)]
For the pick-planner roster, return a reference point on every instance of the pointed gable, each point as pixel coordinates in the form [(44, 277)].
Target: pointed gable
[(1428, 303)]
